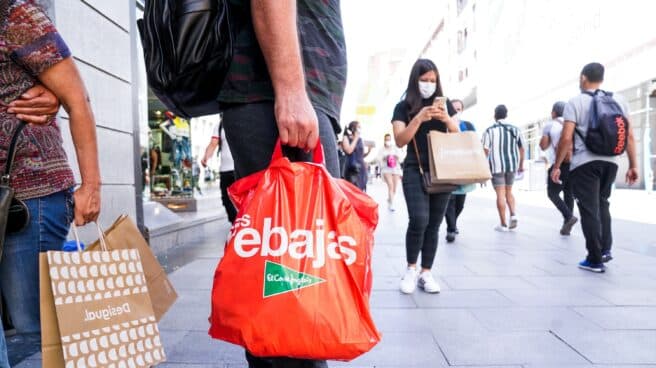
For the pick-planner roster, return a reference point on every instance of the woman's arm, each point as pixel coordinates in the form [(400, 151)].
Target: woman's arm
[(64, 80), (349, 144), (403, 133)]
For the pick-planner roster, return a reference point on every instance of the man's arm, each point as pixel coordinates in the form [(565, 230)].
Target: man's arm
[(545, 141), (209, 151), (632, 173), (275, 27)]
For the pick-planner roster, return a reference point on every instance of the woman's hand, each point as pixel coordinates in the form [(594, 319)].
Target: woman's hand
[(36, 106), (87, 203), (427, 113), (441, 114)]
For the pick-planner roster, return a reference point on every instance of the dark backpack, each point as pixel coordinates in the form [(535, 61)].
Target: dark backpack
[(608, 128), (187, 50)]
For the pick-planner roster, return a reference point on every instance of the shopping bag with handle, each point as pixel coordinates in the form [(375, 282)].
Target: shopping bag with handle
[(96, 311), (296, 275)]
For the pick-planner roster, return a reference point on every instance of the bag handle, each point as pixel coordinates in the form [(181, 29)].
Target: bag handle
[(11, 153), (317, 155), (101, 238), (414, 143)]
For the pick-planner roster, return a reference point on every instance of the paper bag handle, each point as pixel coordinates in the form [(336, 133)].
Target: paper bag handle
[(101, 238)]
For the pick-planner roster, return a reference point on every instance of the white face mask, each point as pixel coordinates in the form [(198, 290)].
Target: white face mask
[(427, 89), (388, 143)]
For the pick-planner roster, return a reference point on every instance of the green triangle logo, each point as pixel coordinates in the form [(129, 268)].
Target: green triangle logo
[(279, 279)]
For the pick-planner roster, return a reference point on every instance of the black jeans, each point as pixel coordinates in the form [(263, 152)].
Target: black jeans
[(426, 212), (252, 132), (453, 210), (592, 184), (226, 178), (565, 205)]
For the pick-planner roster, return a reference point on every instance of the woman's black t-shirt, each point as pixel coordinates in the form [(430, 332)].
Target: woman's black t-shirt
[(402, 113)]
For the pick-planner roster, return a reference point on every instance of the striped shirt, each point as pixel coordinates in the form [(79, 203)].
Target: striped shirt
[(503, 142)]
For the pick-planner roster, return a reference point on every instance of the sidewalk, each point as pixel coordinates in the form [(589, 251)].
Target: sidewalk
[(508, 299)]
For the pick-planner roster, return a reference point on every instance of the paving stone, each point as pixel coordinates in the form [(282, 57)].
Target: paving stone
[(627, 297), (585, 281), (613, 347), (552, 297), (486, 282), (532, 319), (461, 299), (187, 318), (462, 348), (391, 299), (451, 320), (621, 318), (403, 349), (199, 348)]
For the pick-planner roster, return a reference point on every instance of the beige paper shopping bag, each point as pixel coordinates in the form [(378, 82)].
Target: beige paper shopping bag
[(104, 316), (457, 158), (52, 355), (124, 234)]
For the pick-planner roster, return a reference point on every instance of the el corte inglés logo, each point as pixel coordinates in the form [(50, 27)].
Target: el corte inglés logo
[(279, 279)]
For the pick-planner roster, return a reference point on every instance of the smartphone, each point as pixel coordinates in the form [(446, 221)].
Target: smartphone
[(440, 102)]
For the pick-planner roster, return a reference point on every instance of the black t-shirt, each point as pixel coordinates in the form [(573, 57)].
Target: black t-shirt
[(402, 113)]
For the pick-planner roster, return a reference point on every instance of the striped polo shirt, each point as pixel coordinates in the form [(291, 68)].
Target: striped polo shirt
[(503, 142)]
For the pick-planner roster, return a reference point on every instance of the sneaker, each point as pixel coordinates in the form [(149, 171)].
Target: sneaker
[(427, 283), (568, 225), (513, 222), (501, 228), (409, 281), (606, 257), (457, 232), (593, 267), (450, 236)]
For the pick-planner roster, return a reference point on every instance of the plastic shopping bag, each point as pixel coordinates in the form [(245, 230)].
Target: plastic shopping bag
[(296, 276)]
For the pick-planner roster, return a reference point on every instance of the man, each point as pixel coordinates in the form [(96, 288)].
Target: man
[(505, 151), (550, 138), (457, 200), (226, 168), (592, 175), (286, 80)]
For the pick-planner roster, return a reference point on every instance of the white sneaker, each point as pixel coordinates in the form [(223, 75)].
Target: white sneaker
[(409, 281), (428, 283), (513, 222), (501, 228)]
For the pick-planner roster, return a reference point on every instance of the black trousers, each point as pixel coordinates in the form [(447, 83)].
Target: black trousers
[(226, 178), (425, 212), (565, 205), (592, 184), (453, 210), (252, 132)]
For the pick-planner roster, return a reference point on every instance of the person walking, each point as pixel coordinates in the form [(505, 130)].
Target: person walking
[(389, 161), (414, 116), (457, 200), (286, 82), (550, 139), (593, 175), (31, 52), (226, 168), (195, 175), (353, 147), (504, 148)]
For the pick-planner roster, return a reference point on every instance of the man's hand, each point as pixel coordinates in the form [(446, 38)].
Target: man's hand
[(297, 121), (632, 176), (37, 106), (555, 175), (87, 203)]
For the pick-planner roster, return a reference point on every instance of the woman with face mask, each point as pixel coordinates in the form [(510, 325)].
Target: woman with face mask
[(413, 118), (354, 148), (389, 161)]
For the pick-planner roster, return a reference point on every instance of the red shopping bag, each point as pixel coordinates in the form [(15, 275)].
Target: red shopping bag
[(296, 275)]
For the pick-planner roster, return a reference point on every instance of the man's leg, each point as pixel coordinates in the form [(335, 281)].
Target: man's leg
[(608, 176), (553, 192), (4, 358), (460, 205), (252, 132), (501, 203), (586, 187), (451, 215), (568, 196), (226, 178)]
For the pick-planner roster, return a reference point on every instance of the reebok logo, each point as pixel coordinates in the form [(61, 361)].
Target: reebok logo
[(621, 134), (279, 279), (276, 241)]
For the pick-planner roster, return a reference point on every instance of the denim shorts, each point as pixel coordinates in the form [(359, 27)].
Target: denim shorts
[(503, 179)]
